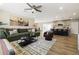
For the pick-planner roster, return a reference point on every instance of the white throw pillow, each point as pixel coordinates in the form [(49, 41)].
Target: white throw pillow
[(12, 32)]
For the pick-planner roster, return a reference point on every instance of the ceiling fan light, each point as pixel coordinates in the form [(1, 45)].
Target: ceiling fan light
[(32, 11), (60, 8)]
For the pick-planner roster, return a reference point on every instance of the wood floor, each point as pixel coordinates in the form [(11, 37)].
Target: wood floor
[(64, 46)]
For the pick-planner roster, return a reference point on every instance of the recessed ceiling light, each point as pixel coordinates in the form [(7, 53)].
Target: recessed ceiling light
[(61, 8), (56, 17), (74, 13)]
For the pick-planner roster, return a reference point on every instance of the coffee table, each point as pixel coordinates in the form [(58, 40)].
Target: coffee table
[(23, 41)]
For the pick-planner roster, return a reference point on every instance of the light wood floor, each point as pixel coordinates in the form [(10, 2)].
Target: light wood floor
[(64, 46)]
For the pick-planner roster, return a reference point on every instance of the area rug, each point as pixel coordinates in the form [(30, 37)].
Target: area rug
[(41, 47)]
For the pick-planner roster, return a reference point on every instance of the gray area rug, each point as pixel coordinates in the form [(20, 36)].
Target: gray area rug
[(41, 47)]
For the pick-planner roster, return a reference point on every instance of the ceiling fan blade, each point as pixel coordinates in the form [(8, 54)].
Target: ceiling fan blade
[(29, 5), (38, 6), (28, 9), (37, 10)]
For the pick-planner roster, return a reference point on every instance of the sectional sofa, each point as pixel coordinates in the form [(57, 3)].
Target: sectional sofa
[(16, 36)]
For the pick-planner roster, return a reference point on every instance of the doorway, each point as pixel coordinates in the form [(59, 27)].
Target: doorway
[(46, 27)]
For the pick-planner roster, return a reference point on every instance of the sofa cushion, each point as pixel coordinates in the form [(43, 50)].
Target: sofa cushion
[(6, 32), (16, 36), (22, 30), (2, 35)]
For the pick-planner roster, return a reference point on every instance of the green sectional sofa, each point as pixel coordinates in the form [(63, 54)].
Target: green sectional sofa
[(18, 35)]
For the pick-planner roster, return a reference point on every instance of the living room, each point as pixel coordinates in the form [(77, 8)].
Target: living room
[(39, 28)]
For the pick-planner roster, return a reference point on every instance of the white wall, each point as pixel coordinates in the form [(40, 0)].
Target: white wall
[(5, 17), (47, 27), (74, 27)]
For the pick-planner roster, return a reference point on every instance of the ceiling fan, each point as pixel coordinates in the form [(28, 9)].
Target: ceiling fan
[(33, 7)]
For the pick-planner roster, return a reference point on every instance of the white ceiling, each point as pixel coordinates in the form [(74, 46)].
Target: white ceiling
[(50, 11)]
